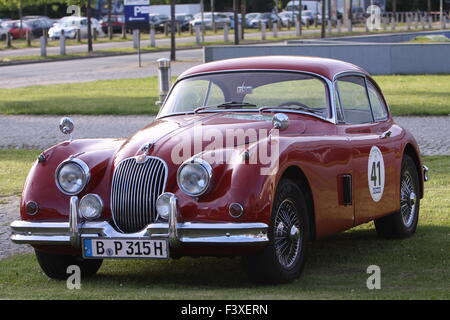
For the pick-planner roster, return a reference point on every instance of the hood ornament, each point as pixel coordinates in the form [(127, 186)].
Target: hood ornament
[(146, 148)]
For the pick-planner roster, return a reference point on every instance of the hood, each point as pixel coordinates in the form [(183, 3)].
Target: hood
[(187, 135)]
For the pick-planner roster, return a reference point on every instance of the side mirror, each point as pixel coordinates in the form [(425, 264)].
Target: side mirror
[(280, 121), (66, 126)]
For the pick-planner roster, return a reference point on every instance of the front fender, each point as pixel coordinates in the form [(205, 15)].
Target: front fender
[(40, 185)]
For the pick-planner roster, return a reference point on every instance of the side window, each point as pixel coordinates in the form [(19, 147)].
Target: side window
[(354, 101), (376, 101)]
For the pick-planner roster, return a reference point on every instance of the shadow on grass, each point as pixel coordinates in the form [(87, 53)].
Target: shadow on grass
[(339, 259)]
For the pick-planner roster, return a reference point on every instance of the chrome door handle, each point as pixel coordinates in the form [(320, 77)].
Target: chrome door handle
[(386, 134)]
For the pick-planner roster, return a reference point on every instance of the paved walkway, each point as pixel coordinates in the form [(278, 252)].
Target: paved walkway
[(39, 132)]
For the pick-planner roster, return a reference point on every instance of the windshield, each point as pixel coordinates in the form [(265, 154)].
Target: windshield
[(290, 90)]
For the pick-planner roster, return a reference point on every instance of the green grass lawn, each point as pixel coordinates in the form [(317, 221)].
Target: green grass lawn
[(414, 268), (407, 95), (129, 96)]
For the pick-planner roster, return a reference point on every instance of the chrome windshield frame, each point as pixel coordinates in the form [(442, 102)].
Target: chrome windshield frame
[(328, 85)]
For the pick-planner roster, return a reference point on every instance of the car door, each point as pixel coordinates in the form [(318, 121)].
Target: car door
[(372, 135)]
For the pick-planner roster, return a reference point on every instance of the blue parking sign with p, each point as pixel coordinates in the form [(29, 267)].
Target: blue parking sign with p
[(137, 13)]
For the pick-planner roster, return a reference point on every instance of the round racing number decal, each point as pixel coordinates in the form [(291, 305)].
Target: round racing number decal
[(375, 173)]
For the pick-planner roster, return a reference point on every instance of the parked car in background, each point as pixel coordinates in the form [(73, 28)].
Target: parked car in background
[(39, 26), (266, 17), (249, 17), (220, 19), (287, 17), (17, 29), (359, 15), (183, 19), (3, 33), (117, 22), (253, 157), (158, 21), (307, 17), (230, 16), (44, 21), (71, 24)]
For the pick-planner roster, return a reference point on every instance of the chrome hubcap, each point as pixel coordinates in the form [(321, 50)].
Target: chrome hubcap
[(287, 234), (408, 199)]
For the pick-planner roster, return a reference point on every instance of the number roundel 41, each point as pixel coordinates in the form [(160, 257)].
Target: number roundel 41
[(376, 173)]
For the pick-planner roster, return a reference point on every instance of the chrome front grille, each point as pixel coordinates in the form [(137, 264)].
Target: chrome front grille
[(135, 188)]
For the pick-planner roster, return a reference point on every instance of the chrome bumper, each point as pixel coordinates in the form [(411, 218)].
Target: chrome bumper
[(72, 232), (425, 173)]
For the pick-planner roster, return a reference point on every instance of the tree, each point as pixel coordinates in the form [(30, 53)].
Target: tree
[(89, 25), (172, 30)]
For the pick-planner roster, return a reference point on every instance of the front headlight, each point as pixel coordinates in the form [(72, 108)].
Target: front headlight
[(194, 177), (72, 176)]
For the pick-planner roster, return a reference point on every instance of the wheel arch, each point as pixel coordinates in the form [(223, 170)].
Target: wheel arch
[(297, 175), (414, 154)]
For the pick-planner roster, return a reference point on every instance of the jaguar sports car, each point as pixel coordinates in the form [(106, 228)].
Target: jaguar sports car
[(250, 157)]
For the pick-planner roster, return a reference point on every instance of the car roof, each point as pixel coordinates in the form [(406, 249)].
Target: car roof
[(324, 67)]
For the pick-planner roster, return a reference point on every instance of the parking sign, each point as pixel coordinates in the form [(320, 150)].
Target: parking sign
[(137, 14)]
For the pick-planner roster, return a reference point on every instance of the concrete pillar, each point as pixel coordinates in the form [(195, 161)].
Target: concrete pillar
[(28, 38), (8, 40), (62, 44), (135, 39), (225, 32), (297, 28), (275, 29), (197, 35), (152, 36), (263, 31), (43, 42)]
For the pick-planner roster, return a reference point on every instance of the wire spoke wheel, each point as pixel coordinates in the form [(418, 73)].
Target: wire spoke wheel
[(287, 234), (408, 199)]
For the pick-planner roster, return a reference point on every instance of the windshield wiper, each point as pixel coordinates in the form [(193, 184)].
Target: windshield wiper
[(312, 110), (231, 104)]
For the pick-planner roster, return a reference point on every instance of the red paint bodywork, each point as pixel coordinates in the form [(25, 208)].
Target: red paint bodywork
[(322, 150)]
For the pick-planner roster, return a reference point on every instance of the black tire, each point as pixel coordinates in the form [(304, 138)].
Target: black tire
[(265, 267), (403, 223), (55, 265)]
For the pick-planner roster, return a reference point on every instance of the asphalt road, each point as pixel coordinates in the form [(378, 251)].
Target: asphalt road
[(83, 70)]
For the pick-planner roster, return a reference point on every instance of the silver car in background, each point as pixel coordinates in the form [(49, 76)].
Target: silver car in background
[(71, 24)]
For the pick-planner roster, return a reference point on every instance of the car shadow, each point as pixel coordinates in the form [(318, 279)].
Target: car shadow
[(350, 252)]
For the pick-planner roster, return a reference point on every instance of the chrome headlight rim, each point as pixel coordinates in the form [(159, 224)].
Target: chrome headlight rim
[(100, 201), (202, 163), (84, 169)]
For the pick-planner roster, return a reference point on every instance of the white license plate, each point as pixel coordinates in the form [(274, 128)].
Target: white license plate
[(125, 248)]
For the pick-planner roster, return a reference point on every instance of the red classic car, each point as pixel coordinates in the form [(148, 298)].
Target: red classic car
[(251, 157)]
